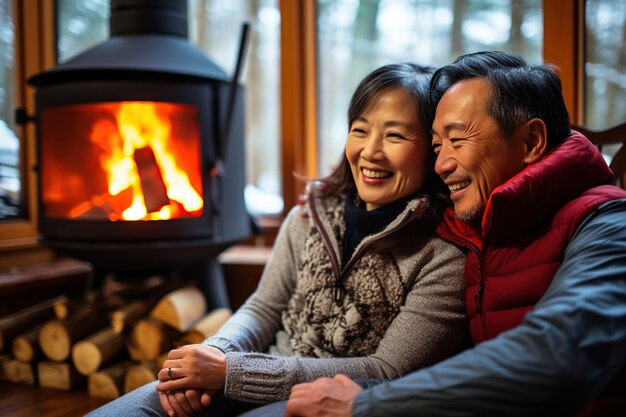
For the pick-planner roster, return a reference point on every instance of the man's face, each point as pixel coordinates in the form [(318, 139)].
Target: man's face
[(473, 157)]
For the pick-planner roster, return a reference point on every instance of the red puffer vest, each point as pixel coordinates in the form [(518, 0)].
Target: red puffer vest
[(526, 227)]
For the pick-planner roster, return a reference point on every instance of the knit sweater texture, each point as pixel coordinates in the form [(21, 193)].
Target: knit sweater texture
[(400, 311)]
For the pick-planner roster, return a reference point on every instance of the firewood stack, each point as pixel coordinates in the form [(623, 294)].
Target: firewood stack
[(111, 346)]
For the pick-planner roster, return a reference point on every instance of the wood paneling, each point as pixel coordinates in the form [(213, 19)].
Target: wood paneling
[(298, 96)]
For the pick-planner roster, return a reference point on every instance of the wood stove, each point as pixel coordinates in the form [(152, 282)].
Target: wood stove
[(140, 147)]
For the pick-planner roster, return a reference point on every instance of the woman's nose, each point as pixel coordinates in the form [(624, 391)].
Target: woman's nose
[(373, 148)]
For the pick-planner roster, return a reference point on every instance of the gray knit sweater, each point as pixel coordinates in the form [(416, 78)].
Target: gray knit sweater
[(401, 311)]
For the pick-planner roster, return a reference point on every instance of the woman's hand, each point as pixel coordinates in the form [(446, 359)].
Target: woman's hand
[(184, 403), (193, 367)]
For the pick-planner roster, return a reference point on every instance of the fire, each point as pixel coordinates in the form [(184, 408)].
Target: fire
[(141, 161)]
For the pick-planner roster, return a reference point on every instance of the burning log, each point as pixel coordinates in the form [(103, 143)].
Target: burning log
[(108, 383), (59, 375), (149, 338), (103, 206), (207, 326), (152, 185), (97, 350), (57, 336), (26, 346), (23, 320), (180, 309)]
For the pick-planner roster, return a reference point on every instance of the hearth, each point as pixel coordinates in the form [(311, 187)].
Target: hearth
[(141, 148)]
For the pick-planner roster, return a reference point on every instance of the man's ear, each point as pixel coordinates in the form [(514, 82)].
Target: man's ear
[(535, 140)]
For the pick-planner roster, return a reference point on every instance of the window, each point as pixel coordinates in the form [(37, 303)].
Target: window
[(551, 29), (605, 63), (355, 37), (10, 170)]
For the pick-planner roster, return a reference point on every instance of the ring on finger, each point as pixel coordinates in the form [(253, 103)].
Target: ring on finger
[(169, 373)]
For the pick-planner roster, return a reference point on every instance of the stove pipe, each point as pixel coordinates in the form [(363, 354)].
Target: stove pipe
[(147, 37)]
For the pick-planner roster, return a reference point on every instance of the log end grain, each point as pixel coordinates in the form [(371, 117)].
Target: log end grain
[(86, 357), (55, 341)]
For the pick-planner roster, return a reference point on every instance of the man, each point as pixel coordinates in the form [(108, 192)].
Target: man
[(546, 267)]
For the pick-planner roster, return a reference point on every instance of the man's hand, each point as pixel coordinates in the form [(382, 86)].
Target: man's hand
[(323, 397)]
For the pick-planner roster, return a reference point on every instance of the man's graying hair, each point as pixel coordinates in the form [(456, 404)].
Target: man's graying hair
[(519, 92)]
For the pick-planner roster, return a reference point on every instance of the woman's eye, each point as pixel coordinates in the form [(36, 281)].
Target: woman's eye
[(395, 135)]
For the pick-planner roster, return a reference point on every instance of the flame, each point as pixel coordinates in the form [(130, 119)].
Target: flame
[(139, 126)]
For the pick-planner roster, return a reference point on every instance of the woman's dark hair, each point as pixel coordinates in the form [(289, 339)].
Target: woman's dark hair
[(519, 92), (415, 80)]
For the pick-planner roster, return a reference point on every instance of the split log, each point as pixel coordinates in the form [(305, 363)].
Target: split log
[(24, 320), (139, 375), (207, 326), (108, 383), (65, 307), (57, 336), (97, 350), (180, 309), (3, 360), (143, 373), (149, 338), (26, 346), (130, 313), (59, 375), (18, 372)]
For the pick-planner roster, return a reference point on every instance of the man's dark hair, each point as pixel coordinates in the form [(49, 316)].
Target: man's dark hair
[(519, 92)]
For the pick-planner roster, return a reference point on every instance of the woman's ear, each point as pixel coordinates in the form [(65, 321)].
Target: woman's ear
[(535, 140)]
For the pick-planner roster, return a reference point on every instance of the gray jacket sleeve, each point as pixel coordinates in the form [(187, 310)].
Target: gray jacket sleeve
[(562, 356), (428, 328), (254, 325)]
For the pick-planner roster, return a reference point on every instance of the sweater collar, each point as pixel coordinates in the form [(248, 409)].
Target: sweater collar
[(372, 221)]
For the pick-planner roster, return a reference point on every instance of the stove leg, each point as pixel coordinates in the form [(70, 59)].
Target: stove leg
[(212, 284)]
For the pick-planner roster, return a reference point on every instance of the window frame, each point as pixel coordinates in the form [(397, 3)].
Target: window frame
[(36, 51)]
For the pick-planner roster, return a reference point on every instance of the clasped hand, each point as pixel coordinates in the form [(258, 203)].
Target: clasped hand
[(190, 376)]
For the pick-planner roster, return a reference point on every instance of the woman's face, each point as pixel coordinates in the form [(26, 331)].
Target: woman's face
[(387, 150)]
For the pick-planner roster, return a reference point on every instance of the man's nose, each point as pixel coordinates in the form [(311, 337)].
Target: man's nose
[(444, 164)]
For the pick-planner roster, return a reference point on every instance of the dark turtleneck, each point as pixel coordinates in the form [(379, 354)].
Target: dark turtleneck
[(361, 222)]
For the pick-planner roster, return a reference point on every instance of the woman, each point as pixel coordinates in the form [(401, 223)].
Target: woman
[(360, 285)]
